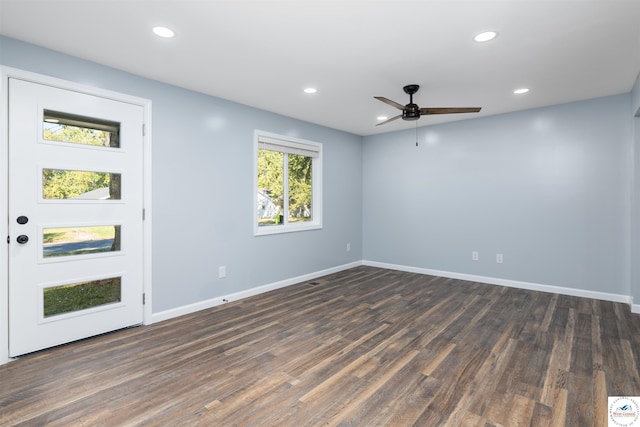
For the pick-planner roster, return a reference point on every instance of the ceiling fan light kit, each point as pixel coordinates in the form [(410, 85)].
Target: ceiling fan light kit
[(412, 111)]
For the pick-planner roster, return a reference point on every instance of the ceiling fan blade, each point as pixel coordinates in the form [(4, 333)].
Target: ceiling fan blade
[(390, 102), (427, 111), (389, 120)]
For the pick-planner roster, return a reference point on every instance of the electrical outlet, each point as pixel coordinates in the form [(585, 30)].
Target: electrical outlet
[(499, 258), (475, 256), (222, 272), (348, 247)]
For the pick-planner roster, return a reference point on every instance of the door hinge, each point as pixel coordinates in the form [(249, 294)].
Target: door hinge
[(8, 239), (144, 298), (143, 214), (143, 129)]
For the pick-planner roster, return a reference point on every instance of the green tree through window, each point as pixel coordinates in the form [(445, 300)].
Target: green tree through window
[(286, 182), (300, 174)]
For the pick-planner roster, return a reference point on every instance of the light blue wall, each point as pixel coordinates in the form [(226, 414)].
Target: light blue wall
[(549, 188), (635, 212), (203, 183)]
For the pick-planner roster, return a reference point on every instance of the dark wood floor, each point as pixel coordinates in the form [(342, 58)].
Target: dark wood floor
[(363, 347)]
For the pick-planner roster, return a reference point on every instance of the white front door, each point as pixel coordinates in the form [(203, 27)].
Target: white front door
[(75, 215)]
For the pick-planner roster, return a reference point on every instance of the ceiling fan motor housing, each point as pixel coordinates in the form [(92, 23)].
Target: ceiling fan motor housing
[(411, 112)]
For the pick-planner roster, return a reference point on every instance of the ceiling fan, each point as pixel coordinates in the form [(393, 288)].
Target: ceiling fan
[(412, 112)]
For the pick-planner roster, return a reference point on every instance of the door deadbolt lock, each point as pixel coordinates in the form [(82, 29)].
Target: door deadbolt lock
[(22, 220), (22, 239)]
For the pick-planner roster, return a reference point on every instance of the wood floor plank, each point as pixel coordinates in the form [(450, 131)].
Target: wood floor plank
[(433, 364), (490, 374), (365, 347), (541, 415), (600, 401), (403, 407), (521, 411), (354, 408), (333, 381)]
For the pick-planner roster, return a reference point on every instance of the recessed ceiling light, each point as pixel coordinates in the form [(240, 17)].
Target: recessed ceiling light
[(521, 91), (310, 90), (382, 118), (165, 32), (485, 36)]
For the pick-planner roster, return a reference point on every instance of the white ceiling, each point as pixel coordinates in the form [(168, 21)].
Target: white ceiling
[(264, 53)]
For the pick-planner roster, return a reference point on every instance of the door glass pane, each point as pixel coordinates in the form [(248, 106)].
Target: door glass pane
[(270, 187), (73, 128), (80, 185), (81, 295), (300, 174), (69, 241)]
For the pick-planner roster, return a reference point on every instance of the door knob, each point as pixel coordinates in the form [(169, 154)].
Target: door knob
[(22, 219), (22, 239)]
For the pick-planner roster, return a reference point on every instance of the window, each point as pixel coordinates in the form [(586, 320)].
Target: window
[(63, 127), (288, 177), (80, 185), (81, 295), (69, 241)]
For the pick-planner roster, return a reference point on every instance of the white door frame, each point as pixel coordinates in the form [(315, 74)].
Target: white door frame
[(5, 74)]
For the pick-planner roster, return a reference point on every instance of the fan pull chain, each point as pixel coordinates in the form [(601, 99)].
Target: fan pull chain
[(416, 133)]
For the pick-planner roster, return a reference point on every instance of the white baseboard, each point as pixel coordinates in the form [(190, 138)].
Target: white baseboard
[(510, 283), (213, 302)]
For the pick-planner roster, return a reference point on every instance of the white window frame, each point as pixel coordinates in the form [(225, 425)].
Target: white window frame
[(291, 145)]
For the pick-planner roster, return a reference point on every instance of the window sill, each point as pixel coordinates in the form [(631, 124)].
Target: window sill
[(280, 229)]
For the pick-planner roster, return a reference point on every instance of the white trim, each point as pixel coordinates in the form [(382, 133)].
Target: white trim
[(213, 302), (4, 213), (147, 288), (506, 282), (5, 74)]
